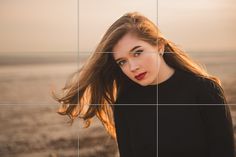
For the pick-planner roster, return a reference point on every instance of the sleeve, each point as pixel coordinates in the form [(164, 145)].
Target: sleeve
[(217, 120), (121, 130)]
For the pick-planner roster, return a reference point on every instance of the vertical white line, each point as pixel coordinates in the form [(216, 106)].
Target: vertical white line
[(157, 111), (157, 88), (78, 58)]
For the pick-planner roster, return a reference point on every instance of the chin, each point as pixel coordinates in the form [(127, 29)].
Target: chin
[(144, 83)]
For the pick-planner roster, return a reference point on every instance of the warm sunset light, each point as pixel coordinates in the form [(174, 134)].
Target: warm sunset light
[(60, 25)]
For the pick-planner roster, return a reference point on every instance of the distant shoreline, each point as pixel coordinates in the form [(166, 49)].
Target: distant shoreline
[(43, 59), (49, 58)]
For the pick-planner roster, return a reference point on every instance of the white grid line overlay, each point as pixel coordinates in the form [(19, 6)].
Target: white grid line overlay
[(85, 54)]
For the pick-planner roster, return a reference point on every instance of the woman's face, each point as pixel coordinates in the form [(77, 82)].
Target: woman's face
[(137, 59)]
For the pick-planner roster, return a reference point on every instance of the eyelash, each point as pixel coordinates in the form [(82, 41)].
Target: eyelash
[(136, 52), (119, 63)]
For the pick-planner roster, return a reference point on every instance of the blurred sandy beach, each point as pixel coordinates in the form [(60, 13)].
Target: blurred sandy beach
[(39, 41), (30, 126)]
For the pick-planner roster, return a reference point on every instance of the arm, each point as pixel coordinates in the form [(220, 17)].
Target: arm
[(217, 120), (121, 131)]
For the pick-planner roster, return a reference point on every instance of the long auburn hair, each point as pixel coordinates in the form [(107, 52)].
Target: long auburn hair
[(93, 89)]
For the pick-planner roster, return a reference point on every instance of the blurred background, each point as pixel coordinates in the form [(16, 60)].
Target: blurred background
[(43, 42)]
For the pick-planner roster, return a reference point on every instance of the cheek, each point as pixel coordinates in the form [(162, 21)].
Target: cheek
[(125, 71), (151, 62)]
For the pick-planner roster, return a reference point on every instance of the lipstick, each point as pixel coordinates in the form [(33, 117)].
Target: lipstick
[(140, 76)]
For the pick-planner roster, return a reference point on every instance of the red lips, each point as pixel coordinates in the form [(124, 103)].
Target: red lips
[(140, 76)]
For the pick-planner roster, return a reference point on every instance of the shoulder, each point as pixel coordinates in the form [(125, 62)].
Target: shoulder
[(199, 81), (207, 91)]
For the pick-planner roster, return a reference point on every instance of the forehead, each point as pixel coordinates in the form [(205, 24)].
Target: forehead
[(126, 43)]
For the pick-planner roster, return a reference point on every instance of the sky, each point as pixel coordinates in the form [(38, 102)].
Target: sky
[(200, 25), (43, 26), (38, 26)]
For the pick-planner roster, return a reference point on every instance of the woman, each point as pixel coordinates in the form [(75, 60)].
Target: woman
[(135, 68)]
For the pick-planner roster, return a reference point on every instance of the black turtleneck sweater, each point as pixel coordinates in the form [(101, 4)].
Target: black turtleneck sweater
[(182, 111)]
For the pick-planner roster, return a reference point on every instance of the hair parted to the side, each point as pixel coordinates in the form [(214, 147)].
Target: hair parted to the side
[(93, 89)]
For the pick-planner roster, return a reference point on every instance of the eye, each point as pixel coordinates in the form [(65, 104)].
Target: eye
[(138, 52), (120, 63)]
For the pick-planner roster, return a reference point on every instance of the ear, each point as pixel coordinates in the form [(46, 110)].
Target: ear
[(161, 47)]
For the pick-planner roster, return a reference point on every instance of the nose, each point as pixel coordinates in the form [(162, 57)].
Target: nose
[(133, 66)]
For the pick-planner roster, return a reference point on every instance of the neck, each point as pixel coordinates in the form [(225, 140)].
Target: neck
[(165, 72)]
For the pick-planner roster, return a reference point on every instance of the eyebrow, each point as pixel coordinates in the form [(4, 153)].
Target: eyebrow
[(129, 51)]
